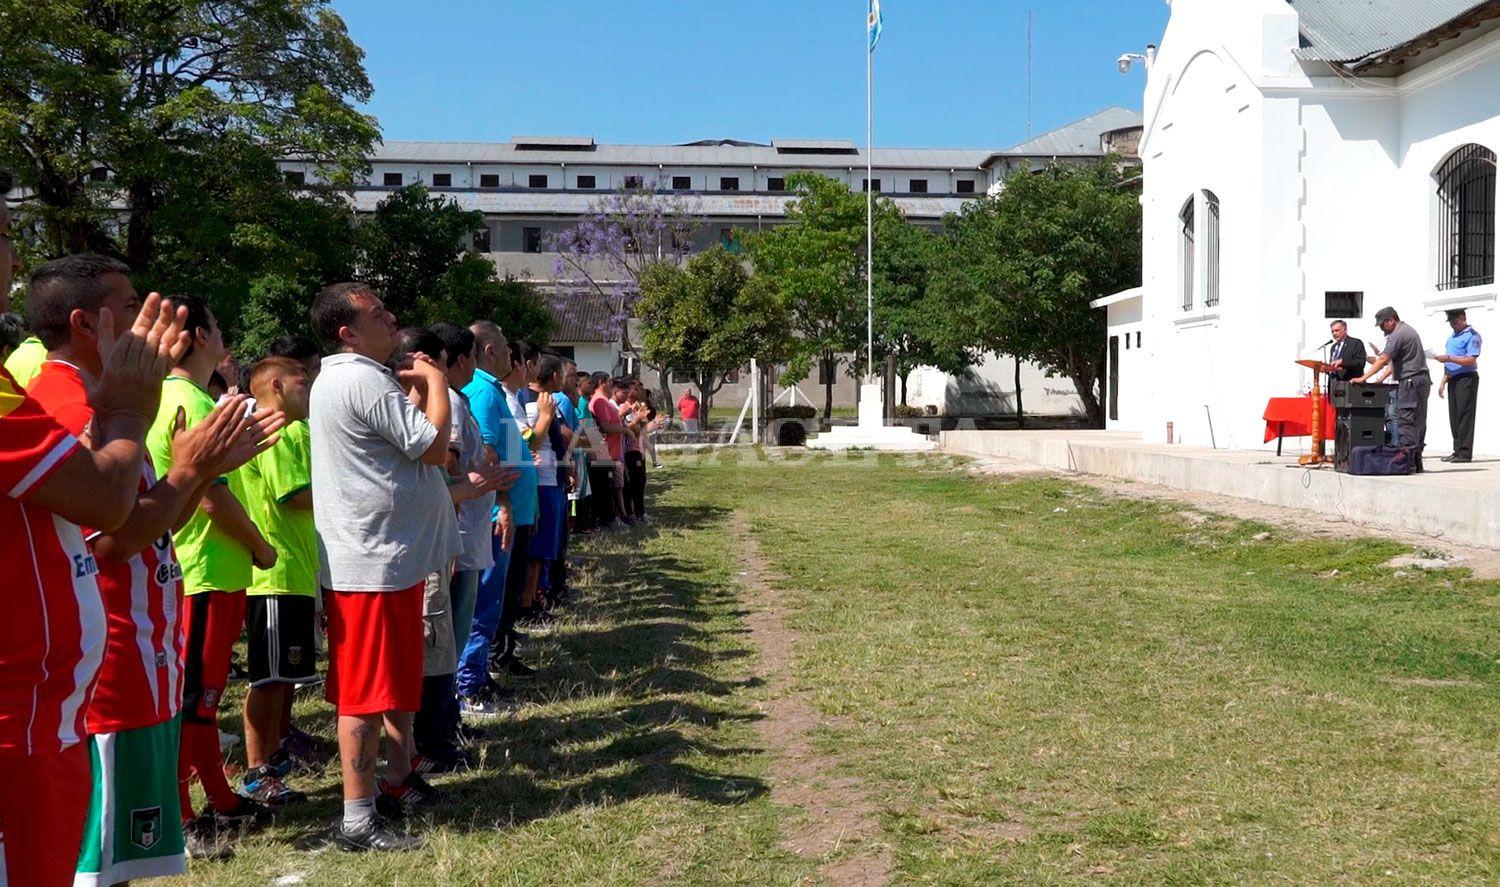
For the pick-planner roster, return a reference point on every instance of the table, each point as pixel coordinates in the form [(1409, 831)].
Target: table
[(1292, 417)]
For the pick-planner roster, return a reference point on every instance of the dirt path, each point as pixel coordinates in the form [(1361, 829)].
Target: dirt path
[(1434, 552), (838, 825)]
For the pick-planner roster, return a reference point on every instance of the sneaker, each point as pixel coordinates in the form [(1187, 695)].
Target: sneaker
[(265, 786), (484, 706), (440, 761), (247, 814), (413, 793), (389, 807), (374, 834), (203, 839), (518, 668)]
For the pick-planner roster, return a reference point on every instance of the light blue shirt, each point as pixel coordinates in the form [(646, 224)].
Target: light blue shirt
[(498, 427), (1465, 343)]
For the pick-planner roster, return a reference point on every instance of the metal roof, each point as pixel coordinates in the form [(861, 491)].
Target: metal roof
[(1352, 30), (1081, 137), (584, 317), (674, 155)]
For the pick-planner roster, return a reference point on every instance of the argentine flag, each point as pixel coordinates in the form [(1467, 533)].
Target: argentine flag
[(876, 23)]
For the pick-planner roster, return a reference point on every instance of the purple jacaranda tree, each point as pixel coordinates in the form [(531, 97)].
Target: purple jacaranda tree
[(600, 260)]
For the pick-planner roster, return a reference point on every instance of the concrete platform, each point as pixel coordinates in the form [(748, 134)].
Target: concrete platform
[(872, 432), (1460, 503)]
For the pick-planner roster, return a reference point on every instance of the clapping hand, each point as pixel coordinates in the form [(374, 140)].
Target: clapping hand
[(226, 439), (136, 363)]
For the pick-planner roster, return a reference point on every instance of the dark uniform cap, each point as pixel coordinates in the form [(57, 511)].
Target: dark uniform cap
[(1455, 313)]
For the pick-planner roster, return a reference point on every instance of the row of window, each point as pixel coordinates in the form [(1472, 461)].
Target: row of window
[(1464, 234), (540, 181)]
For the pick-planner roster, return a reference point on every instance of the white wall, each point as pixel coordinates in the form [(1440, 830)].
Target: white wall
[(1324, 185)]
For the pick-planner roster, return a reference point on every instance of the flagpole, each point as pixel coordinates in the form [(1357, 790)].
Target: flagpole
[(869, 212)]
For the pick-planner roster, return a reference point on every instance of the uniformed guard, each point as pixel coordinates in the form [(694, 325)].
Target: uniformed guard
[(1403, 352), (1460, 360)]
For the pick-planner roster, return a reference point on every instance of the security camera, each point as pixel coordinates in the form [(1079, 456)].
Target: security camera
[(1125, 61)]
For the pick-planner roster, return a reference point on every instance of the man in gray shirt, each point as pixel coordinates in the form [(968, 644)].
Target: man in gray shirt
[(1403, 351), (385, 521)]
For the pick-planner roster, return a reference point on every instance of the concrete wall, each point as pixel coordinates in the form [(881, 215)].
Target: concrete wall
[(1324, 185)]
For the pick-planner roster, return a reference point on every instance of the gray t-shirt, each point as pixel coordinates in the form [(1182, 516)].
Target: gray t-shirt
[(474, 526), (1405, 348), (384, 519)]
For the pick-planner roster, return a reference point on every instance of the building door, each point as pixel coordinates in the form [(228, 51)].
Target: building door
[(1114, 378)]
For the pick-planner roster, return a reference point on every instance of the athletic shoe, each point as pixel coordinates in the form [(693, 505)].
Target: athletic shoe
[(484, 706), (374, 834), (413, 793), (247, 814), (203, 840), (436, 762), (265, 786), (389, 807), (513, 667)]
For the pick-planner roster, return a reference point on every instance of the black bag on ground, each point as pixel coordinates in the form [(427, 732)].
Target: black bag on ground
[(1382, 461)]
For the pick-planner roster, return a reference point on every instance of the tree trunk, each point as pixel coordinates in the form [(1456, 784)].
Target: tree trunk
[(903, 388), (1086, 384), (1020, 409), (140, 233), (705, 400)]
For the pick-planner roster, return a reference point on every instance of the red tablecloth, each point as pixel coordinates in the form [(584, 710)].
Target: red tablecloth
[(1292, 417)]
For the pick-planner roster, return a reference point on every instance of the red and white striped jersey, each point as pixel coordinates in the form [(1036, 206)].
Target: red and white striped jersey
[(52, 633), (140, 682)]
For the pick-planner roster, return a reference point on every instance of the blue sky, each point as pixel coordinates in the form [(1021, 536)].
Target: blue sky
[(948, 73)]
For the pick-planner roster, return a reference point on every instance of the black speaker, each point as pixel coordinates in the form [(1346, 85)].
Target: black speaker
[(1356, 428)]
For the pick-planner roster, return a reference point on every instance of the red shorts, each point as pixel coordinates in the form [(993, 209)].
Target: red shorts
[(44, 800), (375, 641), (214, 621)]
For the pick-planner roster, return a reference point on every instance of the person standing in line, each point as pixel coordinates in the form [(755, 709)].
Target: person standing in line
[(479, 695), (53, 639), (1460, 360), (281, 603), (542, 415), (218, 547), (609, 481), (503, 655), (132, 717), (571, 475), (1403, 353), (385, 521)]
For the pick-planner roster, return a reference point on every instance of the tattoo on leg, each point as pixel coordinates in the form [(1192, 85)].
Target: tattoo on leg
[(364, 756)]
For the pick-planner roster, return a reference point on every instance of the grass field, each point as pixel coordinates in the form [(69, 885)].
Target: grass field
[(1030, 681)]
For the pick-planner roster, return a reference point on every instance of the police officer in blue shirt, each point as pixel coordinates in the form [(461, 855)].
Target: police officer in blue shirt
[(1460, 360)]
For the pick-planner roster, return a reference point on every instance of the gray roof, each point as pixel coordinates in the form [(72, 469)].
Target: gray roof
[(1081, 137), (674, 155), (575, 203), (1353, 30)]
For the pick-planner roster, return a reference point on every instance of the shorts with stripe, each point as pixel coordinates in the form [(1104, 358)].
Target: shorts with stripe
[(280, 632), (134, 826), (214, 621)]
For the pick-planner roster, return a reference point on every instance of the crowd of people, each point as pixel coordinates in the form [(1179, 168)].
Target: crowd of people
[(400, 500)]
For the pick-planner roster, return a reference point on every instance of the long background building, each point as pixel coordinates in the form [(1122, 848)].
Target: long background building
[(532, 187)]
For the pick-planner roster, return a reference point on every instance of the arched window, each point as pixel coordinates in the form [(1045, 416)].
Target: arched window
[(1210, 249), (1466, 218), (1187, 240)]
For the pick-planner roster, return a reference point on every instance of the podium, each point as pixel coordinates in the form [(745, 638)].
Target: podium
[(1319, 368)]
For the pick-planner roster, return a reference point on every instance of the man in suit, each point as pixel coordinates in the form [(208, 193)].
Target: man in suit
[(1347, 355)]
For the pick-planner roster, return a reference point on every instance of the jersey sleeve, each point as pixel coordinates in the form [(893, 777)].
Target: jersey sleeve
[(286, 468), (32, 443)]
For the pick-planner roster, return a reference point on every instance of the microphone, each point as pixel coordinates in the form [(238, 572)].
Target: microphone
[(1326, 344)]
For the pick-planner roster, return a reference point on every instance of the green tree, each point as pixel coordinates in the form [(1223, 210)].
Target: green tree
[(709, 318), (1017, 271), (815, 266), (110, 111), (909, 316), (414, 247)]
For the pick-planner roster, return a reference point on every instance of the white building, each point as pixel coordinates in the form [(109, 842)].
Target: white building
[(531, 187), (1305, 161)]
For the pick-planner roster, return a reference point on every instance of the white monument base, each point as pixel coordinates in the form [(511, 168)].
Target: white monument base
[(871, 433)]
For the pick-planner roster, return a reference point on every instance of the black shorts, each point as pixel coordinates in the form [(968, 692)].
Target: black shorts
[(280, 629)]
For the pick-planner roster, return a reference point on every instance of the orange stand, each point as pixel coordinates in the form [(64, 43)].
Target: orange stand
[(1316, 457)]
